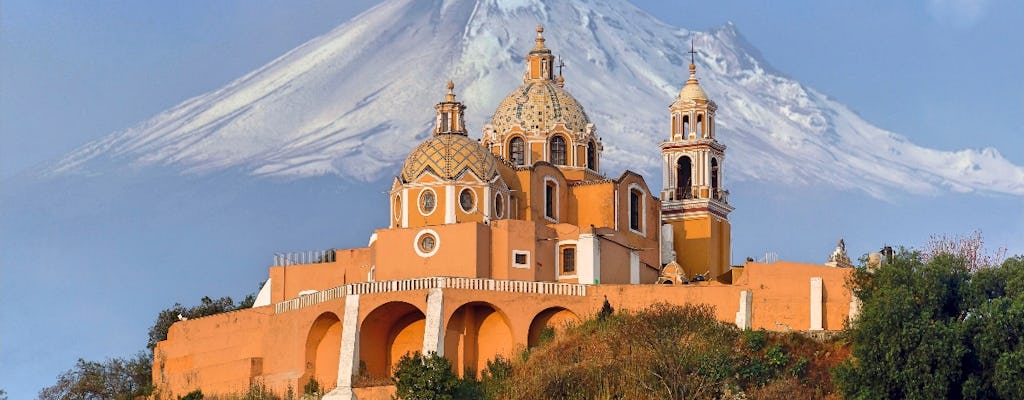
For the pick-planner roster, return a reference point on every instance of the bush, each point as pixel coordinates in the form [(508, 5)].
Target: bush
[(430, 377)]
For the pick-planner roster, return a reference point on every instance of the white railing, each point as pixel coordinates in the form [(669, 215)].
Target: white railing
[(554, 288)]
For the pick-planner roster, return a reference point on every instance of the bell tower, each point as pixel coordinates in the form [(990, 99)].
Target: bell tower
[(695, 205)]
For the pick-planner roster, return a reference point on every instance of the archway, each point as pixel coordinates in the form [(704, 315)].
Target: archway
[(477, 332), (387, 333), (684, 180), (323, 347), (553, 320)]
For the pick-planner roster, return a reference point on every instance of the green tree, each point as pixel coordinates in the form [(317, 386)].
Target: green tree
[(116, 378), (937, 325), (430, 377)]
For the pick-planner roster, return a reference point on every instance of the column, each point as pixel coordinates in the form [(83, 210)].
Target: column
[(348, 361), (743, 316), (433, 331), (816, 297), (588, 263)]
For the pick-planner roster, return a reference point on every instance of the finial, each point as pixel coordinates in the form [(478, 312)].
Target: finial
[(560, 81), (693, 67), (540, 37), (451, 92)]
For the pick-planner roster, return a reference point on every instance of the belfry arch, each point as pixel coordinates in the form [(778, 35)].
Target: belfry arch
[(323, 346), (387, 333), (554, 318), (467, 325), (684, 178)]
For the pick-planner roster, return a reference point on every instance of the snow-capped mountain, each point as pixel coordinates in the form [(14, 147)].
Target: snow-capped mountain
[(354, 101)]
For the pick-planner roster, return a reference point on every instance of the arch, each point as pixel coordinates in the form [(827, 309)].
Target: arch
[(686, 126), (517, 151), (700, 125), (684, 178), (477, 332), (323, 347), (387, 333), (591, 156), (555, 318), (714, 178), (557, 150)]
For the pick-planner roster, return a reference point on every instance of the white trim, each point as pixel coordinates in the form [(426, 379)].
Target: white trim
[(405, 206), (548, 178), (416, 243), (517, 265), (396, 208), (419, 203), (449, 204), (642, 212), (558, 259)]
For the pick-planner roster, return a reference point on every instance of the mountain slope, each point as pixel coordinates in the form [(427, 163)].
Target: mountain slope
[(354, 101)]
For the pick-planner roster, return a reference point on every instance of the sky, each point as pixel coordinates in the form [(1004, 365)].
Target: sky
[(943, 73)]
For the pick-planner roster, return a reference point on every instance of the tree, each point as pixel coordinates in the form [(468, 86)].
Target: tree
[(116, 378), (430, 377), (937, 325)]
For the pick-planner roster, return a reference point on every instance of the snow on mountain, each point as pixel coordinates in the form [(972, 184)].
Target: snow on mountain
[(354, 101)]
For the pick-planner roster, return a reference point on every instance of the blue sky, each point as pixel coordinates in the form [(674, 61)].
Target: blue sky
[(944, 73)]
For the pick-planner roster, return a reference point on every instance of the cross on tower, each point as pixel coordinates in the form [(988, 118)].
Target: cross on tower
[(691, 51), (560, 66)]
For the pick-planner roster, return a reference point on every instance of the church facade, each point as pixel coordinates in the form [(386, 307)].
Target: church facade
[(491, 242)]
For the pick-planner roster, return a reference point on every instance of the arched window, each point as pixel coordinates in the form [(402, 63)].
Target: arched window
[(700, 125), (714, 178), (517, 151), (592, 156), (634, 209), (557, 150), (686, 126), (684, 172)]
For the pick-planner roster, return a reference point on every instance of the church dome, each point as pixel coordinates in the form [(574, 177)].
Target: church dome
[(448, 156), (692, 90), (539, 104)]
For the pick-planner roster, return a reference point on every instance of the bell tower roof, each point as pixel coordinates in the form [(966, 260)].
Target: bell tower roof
[(692, 90)]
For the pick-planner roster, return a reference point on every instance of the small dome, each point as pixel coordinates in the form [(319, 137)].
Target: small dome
[(448, 156), (539, 104), (692, 90)]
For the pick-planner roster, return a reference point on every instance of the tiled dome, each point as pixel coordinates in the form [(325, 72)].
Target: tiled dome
[(539, 104), (448, 156)]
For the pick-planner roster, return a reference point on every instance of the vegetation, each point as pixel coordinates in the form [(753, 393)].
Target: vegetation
[(665, 352), (430, 377), (944, 323), (130, 378), (116, 378)]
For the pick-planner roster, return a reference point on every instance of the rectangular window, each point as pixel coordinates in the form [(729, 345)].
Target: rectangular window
[(549, 200), (634, 210), (569, 260), (520, 259)]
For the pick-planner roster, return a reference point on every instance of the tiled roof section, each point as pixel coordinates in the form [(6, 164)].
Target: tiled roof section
[(448, 156), (539, 104)]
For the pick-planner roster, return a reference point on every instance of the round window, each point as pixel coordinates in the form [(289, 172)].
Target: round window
[(499, 206), (427, 201), (466, 200), (427, 243)]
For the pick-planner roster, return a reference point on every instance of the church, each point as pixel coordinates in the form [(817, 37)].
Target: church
[(492, 241)]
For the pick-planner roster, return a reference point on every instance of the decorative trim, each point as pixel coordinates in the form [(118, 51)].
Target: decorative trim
[(559, 246), (419, 236), (554, 207)]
